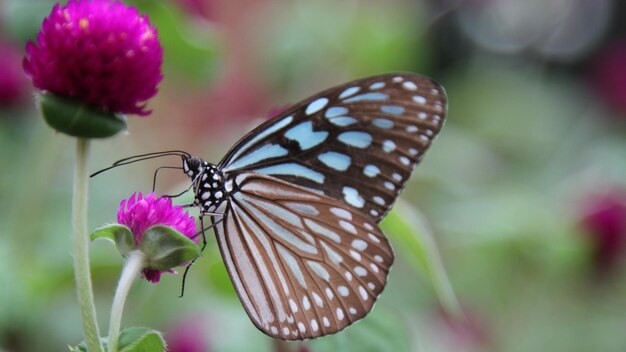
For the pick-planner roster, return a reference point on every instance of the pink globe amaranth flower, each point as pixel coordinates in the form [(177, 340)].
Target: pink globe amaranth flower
[(101, 52), (189, 335), (604, 222), (140, 213)]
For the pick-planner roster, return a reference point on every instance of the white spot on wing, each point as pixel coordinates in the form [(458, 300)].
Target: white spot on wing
[(408, 85), (352, 197), (356, 139), (359, 244), (316, 106), (349, 92), (371, 170), (343, 291)]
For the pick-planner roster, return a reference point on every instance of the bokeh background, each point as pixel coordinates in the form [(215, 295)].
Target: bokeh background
[(510, 236)]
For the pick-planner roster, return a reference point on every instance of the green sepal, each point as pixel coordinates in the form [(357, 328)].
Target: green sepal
[(166, 248), (121, 235), (78, 119), (135, 339)]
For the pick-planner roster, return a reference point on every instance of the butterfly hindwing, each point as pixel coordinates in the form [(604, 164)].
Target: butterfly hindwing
[(303, 264), (357, 142)]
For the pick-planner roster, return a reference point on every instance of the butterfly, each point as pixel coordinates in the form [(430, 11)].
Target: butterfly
[(295, 204)]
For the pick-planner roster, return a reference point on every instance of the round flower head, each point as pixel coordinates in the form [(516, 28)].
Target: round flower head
[(101, 52), (140, 213)]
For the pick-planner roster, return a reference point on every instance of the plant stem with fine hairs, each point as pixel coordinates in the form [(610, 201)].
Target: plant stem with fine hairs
[(132, 267), (80, 248)]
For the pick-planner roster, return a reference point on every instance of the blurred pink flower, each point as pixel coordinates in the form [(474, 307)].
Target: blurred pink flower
[(608, 75), (188, 335), (12, 81), (604, 220), (275, 111), (140, 213), (101, 52), (469, 332)]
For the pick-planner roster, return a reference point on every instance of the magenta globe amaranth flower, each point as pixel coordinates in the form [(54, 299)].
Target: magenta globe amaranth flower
[(141, 213), (164, 233), (101, 52)]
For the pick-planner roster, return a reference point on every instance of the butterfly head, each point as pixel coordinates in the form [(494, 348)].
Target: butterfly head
[(208, 183)]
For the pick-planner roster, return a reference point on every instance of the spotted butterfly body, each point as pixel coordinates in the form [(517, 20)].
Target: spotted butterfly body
[(296, 202)]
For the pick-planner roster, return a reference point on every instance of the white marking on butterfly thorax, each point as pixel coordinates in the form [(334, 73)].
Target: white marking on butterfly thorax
[(304, 135), (271, 129)]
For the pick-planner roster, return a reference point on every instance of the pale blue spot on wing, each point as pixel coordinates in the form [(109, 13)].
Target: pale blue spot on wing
[(368, 96), (271, 129), (356, 139), (342, 121), (265, 152), (377, 85), (352, 197), (348, 92), (305, 136), (383, 123), (316, 106), (389, 146), (292, 169), (371, 170), (392, 109), (336, 111), (335, 160)]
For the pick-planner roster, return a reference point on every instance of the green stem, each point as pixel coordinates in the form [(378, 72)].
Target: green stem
[(132, 267), (80, 249)]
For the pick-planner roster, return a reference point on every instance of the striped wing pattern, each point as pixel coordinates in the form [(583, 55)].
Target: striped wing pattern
[(357, 143), (303, 264)]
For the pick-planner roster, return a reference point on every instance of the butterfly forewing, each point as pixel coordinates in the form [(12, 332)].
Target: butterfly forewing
[(357, 143), (303, 264)]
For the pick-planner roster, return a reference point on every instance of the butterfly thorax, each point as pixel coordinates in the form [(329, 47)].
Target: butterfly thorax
[(207, 182)]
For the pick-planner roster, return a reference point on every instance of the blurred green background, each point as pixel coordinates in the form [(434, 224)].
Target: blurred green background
[(524, 191)]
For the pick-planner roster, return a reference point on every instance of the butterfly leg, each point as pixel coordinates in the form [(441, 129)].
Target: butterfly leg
[(204, 244), (157, 171)]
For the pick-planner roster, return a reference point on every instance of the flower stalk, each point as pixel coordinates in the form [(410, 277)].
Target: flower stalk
[(132, 267), (80, 248)]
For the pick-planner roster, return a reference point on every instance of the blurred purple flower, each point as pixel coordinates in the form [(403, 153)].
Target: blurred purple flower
[(188, 336), (604, 220), (101, 52), (12, 81), (608, 75), (140, 213)]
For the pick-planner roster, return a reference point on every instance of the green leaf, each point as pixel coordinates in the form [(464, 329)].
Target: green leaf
[(135, 339), (75, 118), (409, 228), (120, 234), (139, 339), (166, 248)]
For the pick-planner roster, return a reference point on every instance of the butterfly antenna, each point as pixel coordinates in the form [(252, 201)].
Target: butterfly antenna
[(142, 157)]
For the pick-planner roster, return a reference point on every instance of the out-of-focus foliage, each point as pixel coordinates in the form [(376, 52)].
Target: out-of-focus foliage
[(535, 136)]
